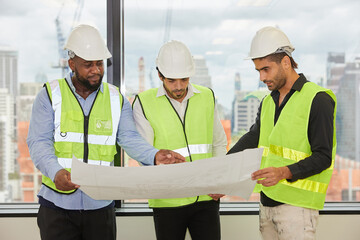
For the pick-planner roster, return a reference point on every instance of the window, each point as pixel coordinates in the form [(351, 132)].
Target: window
[(220, 33), (29, 56), (217, 32)]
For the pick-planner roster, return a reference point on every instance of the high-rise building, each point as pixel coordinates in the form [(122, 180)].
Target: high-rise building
[(40, 77), (30, 177), (245, 110), (239, 94), (348, 112), (8, 142), (201, 76), (8, 82), (237, 86), (28, 92), (335, 67), (8, 94), (8, 69), (30, 88), (3, 167)]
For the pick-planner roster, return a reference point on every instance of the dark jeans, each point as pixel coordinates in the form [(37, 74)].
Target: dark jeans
[(60, 224), (202, 219)]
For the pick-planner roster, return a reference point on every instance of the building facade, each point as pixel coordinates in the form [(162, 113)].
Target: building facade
[(201, 76), (348, 112)]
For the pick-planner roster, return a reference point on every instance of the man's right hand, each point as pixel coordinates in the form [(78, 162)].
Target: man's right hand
[(63, 182), (164, 156)]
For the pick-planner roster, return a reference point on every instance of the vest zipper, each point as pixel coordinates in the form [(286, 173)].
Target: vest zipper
[(187, 144), (86, 134), (183, 124), (86, 124)]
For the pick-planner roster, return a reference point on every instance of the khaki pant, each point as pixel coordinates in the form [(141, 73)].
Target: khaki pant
[(286, 222)]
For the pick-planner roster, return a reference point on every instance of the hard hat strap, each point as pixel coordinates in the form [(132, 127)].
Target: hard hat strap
[(287, 50), (71, 54)]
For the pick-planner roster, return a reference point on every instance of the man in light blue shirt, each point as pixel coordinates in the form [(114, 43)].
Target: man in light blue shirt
[(65, 211)]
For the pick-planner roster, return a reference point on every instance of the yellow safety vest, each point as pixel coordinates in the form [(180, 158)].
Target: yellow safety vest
[(90, 138), (192, 139), (287, 143)]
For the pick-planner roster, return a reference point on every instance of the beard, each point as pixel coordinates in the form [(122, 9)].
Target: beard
[(279, 80), (175, 94), (86, 83)]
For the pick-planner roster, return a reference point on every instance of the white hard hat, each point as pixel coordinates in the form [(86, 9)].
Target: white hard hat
[(175, 60), (269, 40), (86, 42)]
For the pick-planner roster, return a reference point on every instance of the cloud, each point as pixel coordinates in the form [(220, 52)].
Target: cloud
[(311, 31), (314, 28), (15, 8)]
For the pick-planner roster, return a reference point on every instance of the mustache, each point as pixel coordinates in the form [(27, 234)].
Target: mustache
[(99, 75), (179, 90)]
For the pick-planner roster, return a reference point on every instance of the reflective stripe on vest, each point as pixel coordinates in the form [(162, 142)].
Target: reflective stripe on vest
[(194, 149), (79, 137), (101, 137), (287, 143), (195, 135), (287, 153), (66, 162), (296, 156)]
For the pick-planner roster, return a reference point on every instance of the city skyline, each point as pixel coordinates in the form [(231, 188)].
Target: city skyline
[(221, 32)]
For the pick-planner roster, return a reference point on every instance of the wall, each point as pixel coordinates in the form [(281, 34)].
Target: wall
[(234, 227)]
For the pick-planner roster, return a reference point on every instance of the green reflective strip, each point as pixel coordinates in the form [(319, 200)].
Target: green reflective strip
[(308, 185), (47, 181), (288, 153), (266, 151), (305, 184), (96, 151)]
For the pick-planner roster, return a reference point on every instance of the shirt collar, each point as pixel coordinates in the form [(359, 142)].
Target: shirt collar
[(299, 83), (297, 86), (191, 91), (68, 79)]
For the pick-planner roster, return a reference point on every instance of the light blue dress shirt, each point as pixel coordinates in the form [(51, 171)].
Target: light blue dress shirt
[(41, 146)]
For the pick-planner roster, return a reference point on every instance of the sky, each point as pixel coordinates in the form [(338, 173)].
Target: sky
[(220, 31)]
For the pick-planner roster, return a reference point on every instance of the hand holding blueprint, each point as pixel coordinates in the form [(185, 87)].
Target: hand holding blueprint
[(230, 175)]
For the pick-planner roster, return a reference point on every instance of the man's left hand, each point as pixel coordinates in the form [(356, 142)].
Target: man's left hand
[(271, 176), (164, 156), (216, 196)]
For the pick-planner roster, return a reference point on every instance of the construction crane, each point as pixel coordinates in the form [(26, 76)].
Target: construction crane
[(168, 21), (166, 38), (61, 42), (152, 84), (77, 14), (62, 64), (141, 66)]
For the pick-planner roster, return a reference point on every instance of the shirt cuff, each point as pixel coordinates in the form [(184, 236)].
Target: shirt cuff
[(54, 170), (151, 161), (295, 171)]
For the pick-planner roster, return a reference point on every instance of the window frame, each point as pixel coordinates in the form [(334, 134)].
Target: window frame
[(115, 71), (141, 209), (115, 34)]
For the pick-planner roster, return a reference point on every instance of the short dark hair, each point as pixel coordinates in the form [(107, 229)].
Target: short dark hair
[(277, 57), (161, 75)]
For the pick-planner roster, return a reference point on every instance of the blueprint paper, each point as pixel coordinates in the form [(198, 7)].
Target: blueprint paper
[(230, 175)]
